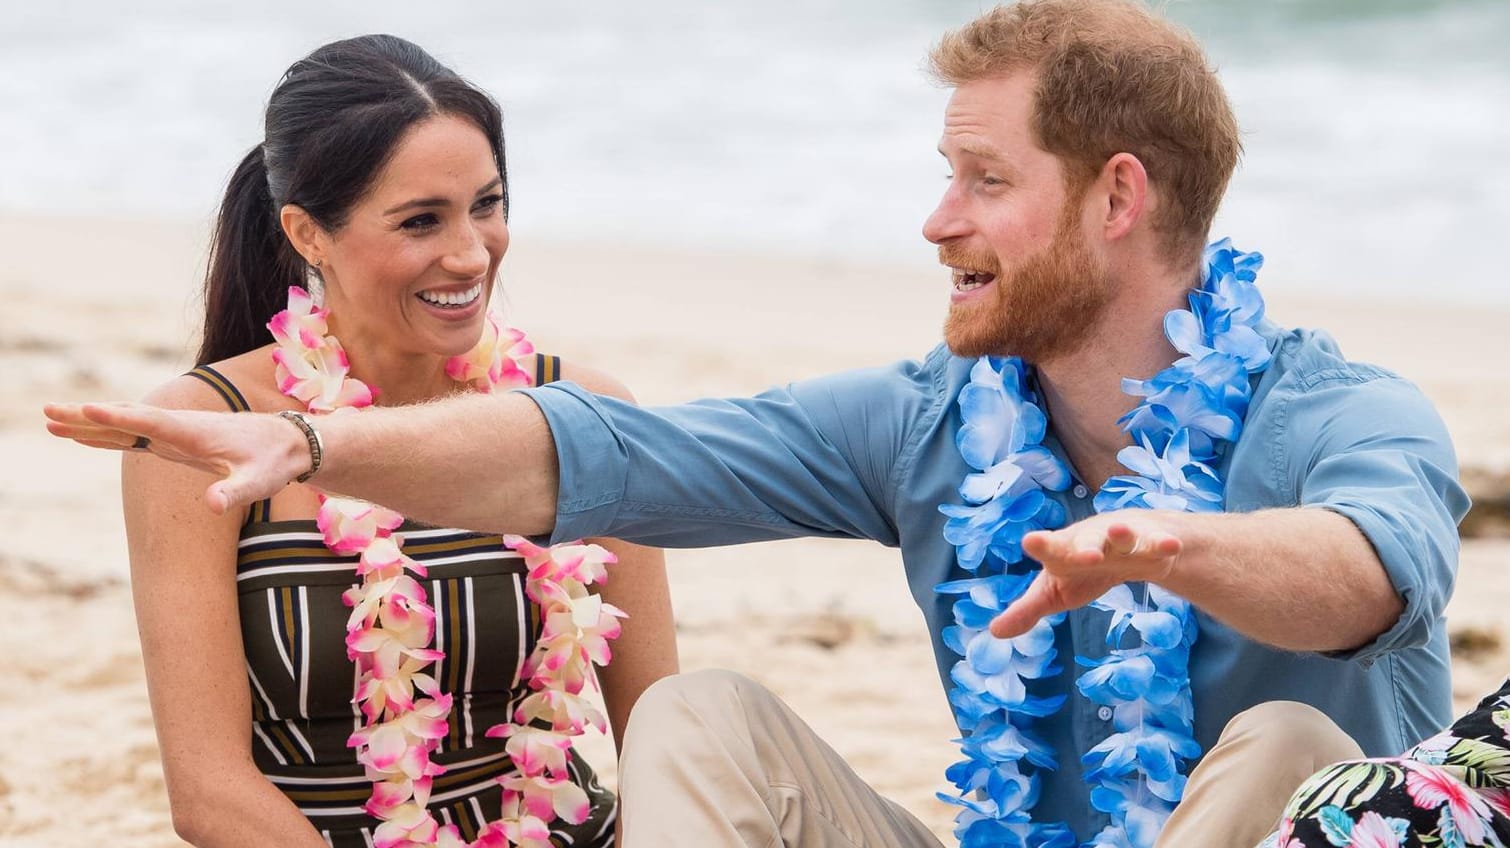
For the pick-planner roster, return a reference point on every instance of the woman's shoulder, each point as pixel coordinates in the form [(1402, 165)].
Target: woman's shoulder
[(594, 380), (237, 383)]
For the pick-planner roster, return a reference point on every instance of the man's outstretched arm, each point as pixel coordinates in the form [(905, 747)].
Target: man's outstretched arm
[(1363, 562), (438, 462), (1298, 579), (811, 459)]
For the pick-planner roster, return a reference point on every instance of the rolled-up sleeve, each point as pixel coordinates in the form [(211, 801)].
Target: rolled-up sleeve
[(811, 459), (1369, 446)]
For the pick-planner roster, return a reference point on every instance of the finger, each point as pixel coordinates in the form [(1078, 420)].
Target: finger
[(1037, 543), (71, 430), (238, 489), (1020, 616), (92, 436), (1045, 545), (1061, 547), (139, 420), (90, 443), (136, 419), (216, 499), (65, 413), (1121, 539), (1088, 546), (1160, 545)]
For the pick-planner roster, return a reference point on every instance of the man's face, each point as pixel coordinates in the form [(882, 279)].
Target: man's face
[(1025, 282)]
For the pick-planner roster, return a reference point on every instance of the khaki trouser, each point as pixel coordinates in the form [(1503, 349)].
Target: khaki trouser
[(712, 758)]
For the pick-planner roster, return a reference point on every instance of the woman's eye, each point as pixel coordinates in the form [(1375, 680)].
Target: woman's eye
[(489, 203), (420, 222)]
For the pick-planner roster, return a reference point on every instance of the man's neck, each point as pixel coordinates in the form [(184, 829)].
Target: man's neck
[(1082, 390)]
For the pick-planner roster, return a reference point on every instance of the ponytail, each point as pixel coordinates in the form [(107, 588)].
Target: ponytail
[(251, 266)]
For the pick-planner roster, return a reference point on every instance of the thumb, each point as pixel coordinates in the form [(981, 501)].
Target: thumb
[(1020, 615), (236, 490)]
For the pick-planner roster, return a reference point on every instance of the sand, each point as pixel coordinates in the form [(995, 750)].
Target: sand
[(103, 309)]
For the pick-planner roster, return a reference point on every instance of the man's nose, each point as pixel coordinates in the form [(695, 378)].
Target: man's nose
[(947, 221)]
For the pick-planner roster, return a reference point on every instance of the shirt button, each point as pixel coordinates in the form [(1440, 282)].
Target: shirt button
[(1081, 491), (1105, 713)]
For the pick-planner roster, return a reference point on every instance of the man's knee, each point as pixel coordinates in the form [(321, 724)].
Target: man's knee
[(693, 699), (1291, 730), (692, 689)]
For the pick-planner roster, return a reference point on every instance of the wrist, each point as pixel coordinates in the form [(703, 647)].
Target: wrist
[(1185, 527), (304, 450)]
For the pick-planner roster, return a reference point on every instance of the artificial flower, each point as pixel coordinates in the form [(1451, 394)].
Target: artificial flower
[(1186, 415), (392, 626)]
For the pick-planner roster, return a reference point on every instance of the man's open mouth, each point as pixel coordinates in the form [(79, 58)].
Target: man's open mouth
[(967, 280)]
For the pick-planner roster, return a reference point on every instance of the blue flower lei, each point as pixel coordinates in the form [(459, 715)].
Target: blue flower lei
[(1189, 411)]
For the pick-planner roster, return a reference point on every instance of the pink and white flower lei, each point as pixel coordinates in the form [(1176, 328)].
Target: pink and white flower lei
[(392, 627)]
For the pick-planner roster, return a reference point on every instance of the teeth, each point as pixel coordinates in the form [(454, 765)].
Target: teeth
[(452, 298), (966, 280)]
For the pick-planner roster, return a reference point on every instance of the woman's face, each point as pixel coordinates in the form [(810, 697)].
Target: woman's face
[(414, 264)]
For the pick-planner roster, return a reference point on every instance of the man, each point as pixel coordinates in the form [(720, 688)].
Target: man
[(1090, 145)]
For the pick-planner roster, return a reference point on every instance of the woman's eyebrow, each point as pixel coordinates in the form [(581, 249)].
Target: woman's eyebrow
[(432, 202)]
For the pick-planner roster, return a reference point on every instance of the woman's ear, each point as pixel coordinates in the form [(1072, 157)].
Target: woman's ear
[(307, 237)]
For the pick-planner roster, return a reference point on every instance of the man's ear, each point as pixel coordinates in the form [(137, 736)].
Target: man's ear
[(1125, 182), (307, 237)]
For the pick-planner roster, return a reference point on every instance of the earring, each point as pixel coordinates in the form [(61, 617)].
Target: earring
[(314, 282)]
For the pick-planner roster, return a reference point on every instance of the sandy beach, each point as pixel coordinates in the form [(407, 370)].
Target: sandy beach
[(103, 309)]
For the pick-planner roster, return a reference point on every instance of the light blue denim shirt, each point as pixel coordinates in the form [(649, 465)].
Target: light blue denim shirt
[(871, 454)]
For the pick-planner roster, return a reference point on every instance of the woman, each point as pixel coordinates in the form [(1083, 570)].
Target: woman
[(1452, 790), (381, 184)]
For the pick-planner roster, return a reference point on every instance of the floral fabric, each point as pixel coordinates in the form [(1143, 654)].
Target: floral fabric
[(1450, 791)]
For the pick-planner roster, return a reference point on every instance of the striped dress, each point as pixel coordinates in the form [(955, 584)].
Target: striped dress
[(293, 628)]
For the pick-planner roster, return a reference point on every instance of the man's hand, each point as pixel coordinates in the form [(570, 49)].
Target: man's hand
[(1082, 561), (255, 455)]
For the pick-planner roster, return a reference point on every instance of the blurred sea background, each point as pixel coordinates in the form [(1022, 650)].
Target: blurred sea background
[(1376, 130)]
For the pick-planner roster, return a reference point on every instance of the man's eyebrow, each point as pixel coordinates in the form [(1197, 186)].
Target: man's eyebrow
[(979, 151), (433, 202)]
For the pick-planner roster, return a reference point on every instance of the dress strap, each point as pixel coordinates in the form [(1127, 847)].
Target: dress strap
[(223, 387), (233, 398), (547, 369)]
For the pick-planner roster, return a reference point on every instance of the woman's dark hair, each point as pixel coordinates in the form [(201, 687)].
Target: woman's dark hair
[(331, 124)]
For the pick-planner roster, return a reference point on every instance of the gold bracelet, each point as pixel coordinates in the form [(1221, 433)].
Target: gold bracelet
[(311, 435)]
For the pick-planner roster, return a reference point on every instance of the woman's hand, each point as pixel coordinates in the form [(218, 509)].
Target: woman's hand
[(255, 455)]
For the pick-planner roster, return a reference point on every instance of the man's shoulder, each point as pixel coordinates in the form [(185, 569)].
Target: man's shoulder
[(1313, 405), (1305, 360), (925, 378), (1313, 394), (894, 405)]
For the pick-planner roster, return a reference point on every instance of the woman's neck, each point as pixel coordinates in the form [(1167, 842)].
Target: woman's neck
[(397, 378)]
